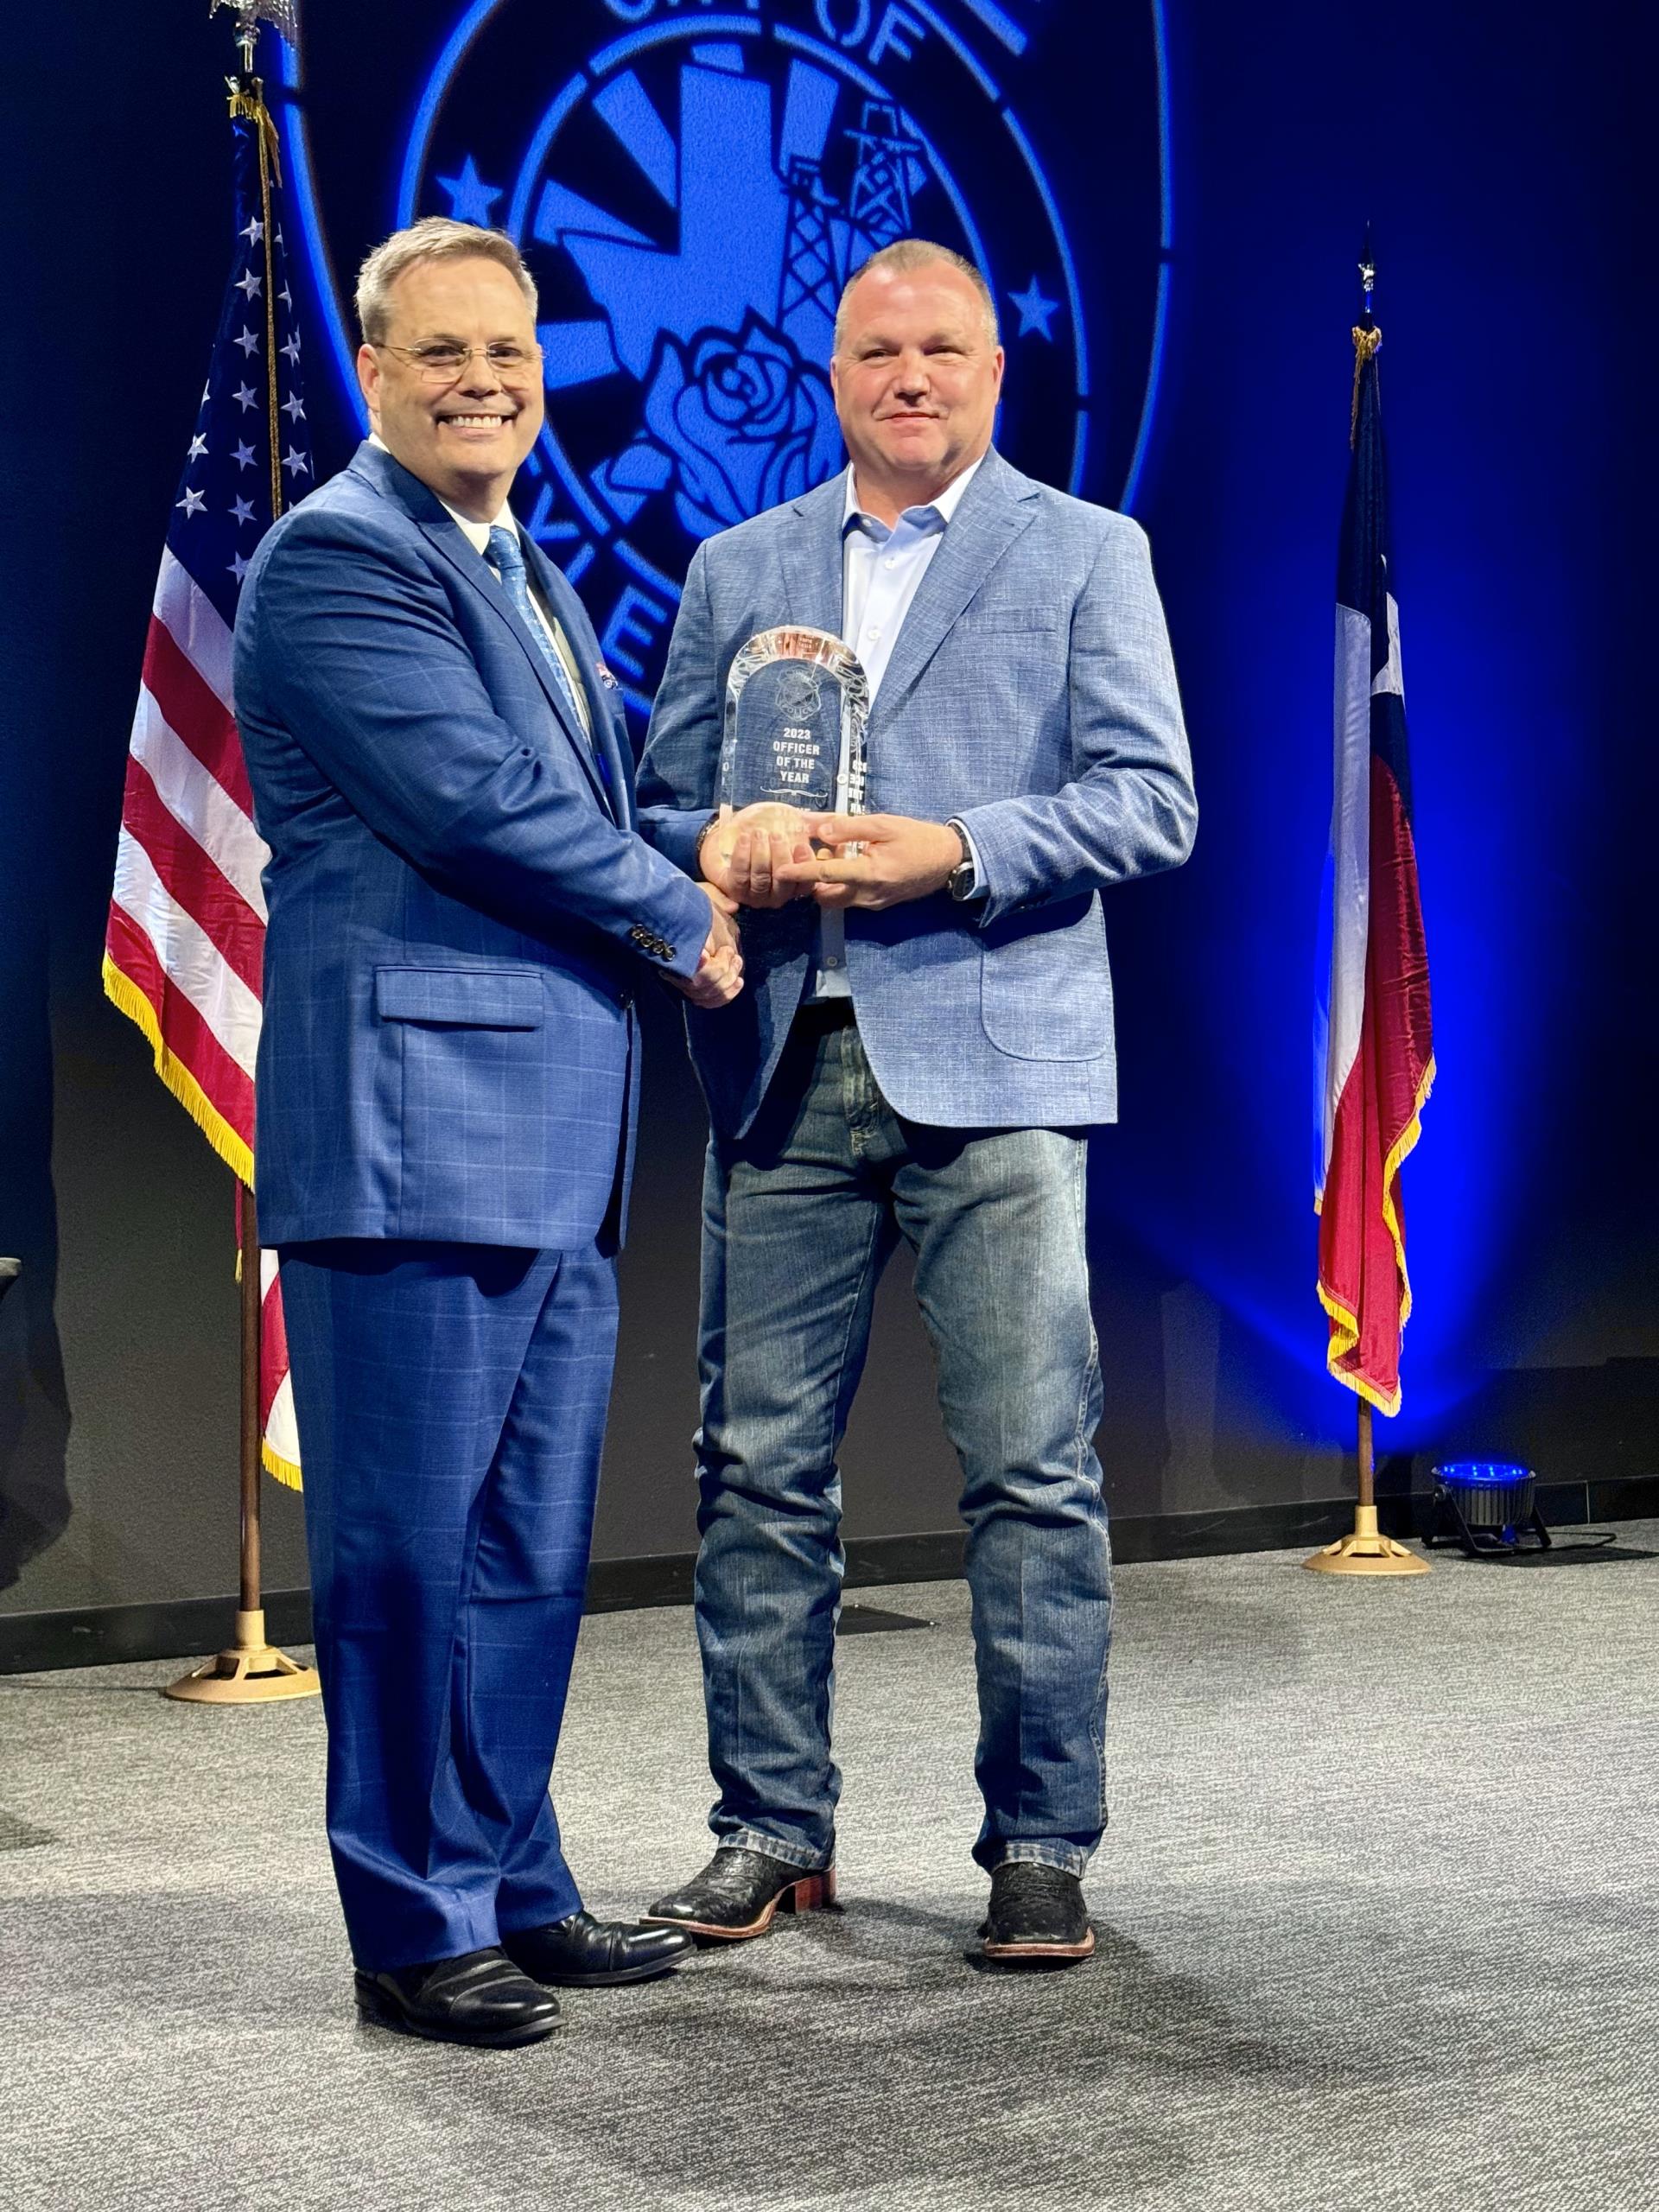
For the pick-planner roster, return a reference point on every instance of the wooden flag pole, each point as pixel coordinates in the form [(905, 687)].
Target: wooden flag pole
[(251, 1671), (1366, 1551)]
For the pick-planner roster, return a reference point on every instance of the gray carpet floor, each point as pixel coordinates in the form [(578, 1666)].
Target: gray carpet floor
[(1376, 1912)]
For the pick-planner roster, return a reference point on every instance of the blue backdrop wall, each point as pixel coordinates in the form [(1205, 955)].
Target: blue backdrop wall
[(1170, 201)]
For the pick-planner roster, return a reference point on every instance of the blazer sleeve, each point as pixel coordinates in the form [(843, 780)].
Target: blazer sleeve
[(357, 654), (678, 773), (1129, 808)]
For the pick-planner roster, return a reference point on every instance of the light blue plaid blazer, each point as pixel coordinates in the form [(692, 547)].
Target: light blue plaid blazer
[(1032, 694), (459, 906)]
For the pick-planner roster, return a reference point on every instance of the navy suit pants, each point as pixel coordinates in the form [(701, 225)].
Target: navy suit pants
[(451, 1404)]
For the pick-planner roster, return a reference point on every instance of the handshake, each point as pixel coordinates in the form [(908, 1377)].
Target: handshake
[(767, 854)]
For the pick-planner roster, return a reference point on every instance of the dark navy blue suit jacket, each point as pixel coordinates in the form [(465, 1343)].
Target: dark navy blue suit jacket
[(459, 909)]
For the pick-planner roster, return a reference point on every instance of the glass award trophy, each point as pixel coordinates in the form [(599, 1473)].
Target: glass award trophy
[(797, 702)]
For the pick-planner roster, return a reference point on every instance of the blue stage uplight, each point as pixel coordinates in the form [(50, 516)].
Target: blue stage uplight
[(1482, 1474), (1490, 1505)]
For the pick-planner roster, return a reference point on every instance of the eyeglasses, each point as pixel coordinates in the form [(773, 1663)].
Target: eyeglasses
[(438, 364)]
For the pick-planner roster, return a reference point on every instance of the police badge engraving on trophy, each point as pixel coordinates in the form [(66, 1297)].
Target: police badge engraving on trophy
[(798, 703)]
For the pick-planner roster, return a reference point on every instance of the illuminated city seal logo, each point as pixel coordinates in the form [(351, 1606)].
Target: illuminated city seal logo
[(691, 190)]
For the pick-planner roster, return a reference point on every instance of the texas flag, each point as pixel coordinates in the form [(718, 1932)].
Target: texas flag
[(1374, 1057)]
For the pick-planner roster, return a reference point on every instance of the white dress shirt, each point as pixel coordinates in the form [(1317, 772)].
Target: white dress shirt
[(477, 537), (881, 570)]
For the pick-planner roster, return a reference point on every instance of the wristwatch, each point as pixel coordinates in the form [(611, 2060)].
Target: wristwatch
[(703, 838), (963, 882)]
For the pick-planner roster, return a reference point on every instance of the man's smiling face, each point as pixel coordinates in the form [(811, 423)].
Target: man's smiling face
[(917, 375), (466, 438)]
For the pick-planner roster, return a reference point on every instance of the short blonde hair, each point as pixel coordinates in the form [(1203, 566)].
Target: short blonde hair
[(919, 253), (435, 237)]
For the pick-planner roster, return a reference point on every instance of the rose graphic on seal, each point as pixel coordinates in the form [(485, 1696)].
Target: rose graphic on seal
[(745, 421)]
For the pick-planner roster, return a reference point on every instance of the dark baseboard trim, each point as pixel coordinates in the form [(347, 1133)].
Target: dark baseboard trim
[(100, 1636), (1618, 1497), (176, 1627)]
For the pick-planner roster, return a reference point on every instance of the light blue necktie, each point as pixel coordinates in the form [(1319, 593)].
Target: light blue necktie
[(508, 558)]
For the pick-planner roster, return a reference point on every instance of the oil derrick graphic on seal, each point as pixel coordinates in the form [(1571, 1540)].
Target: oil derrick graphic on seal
[(879, 209), (809, 284)]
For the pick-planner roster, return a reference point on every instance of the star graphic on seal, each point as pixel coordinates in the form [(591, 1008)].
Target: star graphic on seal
[(470, 198), (1035, 311)]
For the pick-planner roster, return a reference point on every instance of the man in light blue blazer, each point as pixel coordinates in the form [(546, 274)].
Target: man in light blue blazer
[(460, 910), (926, 1034)]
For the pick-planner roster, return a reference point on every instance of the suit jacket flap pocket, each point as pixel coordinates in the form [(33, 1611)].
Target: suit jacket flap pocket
[(464, 998)]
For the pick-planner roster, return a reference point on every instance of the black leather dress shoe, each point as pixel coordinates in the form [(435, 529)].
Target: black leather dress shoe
[(479, 1997), (1037, 1913), (582, 1953), (739, 1893)]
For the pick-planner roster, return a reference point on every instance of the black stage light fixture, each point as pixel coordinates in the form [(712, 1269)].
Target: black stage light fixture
[(1485, 1505)]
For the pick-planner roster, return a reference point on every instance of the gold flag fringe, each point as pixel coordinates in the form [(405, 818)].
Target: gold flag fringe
[(126, 994), (131, 1000), (1345, 1325), (281, 1469)]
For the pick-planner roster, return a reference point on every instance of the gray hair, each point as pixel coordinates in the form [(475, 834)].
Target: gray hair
[(918, 253), (435, 237)]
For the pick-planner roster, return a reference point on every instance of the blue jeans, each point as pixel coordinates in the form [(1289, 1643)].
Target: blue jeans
[(799, 1218)]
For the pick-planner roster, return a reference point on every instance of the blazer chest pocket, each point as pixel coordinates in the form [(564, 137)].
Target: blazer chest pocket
[(1007, 621), (460, 998)]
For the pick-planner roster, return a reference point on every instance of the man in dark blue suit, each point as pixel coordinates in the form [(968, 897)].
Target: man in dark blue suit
[(460, 911)]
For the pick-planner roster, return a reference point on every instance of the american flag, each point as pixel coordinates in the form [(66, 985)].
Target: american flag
[(1375, 1051), (184, 950)]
